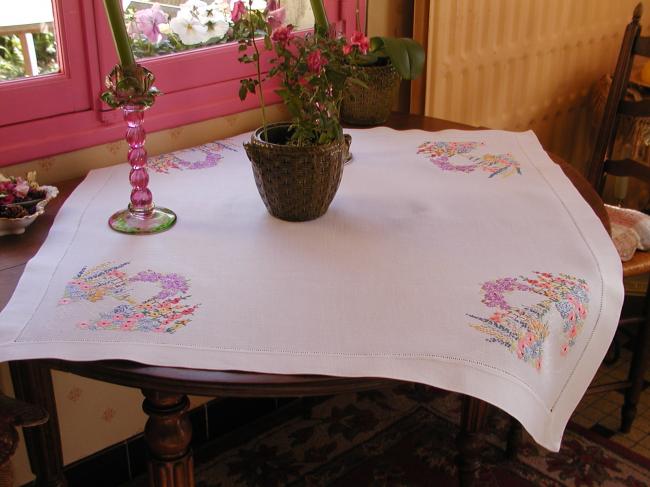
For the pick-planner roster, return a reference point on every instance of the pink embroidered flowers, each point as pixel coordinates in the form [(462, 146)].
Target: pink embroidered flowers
[(442, 154), (523, 329), (201, 157), (165, 312)]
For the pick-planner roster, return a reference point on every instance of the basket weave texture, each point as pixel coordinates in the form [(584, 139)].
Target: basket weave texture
[(371, 105), (296, 183)]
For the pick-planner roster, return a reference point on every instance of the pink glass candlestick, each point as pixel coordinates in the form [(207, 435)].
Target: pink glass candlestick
[(141, 216)]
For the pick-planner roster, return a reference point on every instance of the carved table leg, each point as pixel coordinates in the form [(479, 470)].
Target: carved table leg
[(33, 383), (472, 421), (168, 434)]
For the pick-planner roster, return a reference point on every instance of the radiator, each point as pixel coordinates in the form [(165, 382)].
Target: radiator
[(522, 64)]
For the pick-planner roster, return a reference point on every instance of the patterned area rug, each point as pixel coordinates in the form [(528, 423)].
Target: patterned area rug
[(405, 437)]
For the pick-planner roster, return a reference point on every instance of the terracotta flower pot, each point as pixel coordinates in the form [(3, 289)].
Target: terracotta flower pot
[(371, 105), (295, 183)]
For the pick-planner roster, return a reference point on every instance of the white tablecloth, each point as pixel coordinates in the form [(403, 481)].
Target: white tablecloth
[(463, 260)]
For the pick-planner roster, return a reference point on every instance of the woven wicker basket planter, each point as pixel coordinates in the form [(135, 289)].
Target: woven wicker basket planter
[(296, 183), (371, 105)]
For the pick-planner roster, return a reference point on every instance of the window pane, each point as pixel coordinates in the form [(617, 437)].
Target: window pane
[(27, 39), (180, 25)]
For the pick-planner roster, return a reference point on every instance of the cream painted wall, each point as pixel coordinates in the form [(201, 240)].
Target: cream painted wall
[(523, 64), (77, 163)]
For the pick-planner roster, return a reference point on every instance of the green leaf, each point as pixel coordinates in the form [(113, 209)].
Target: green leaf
[(243, 91), (405, 54), (358, 82), (267, 43)]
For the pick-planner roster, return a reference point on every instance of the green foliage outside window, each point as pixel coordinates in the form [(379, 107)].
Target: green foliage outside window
[(12, 59)]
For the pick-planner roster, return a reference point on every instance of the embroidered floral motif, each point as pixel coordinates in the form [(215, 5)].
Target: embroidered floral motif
[(93, 284), (524, 329), (208, 154), (165, 312), (440, 153)]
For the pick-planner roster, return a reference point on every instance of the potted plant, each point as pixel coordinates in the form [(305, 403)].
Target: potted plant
[(384, 62), (297, 165)]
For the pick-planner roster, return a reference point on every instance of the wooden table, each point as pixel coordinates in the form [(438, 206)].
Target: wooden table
[(168, 430)]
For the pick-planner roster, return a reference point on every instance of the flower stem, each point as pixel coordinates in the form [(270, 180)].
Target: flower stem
[(357, 17), (260, 91), (320, 16), (120, 36)]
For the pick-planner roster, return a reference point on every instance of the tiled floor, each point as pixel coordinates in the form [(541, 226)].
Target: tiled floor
[(601, 412)]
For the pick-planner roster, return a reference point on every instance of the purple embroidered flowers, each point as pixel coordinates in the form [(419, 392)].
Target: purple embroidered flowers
[(524, 329), (203, 156), (441, 154), (166, 312)]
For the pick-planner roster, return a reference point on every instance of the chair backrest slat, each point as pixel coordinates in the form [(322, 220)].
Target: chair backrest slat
[(628, 167), (635, 108), (607, 130)]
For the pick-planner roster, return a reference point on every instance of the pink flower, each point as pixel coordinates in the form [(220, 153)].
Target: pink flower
[(530, 338), (275, 15), (521, 346), (238, 10), (315, 61), (148, 21), (83, 324), (360, 41), (573, 332), (22, 188), (7, 199), (64, 301), (497, 317), (564, 349), (282, 35), (104, 323), (347, 49)]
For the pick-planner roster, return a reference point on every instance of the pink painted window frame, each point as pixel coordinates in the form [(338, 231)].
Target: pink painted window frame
[(59, 113)]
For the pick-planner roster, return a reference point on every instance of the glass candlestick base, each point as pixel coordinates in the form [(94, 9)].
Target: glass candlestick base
[(141, 217), (155, 220)]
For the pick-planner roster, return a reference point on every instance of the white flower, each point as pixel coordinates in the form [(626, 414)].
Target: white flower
[(189, 29), (193, 5), (222, 6), (218, 28), (215, 21)]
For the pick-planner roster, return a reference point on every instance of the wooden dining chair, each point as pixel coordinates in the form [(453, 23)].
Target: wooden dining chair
[(14, 414), (601, 165)]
